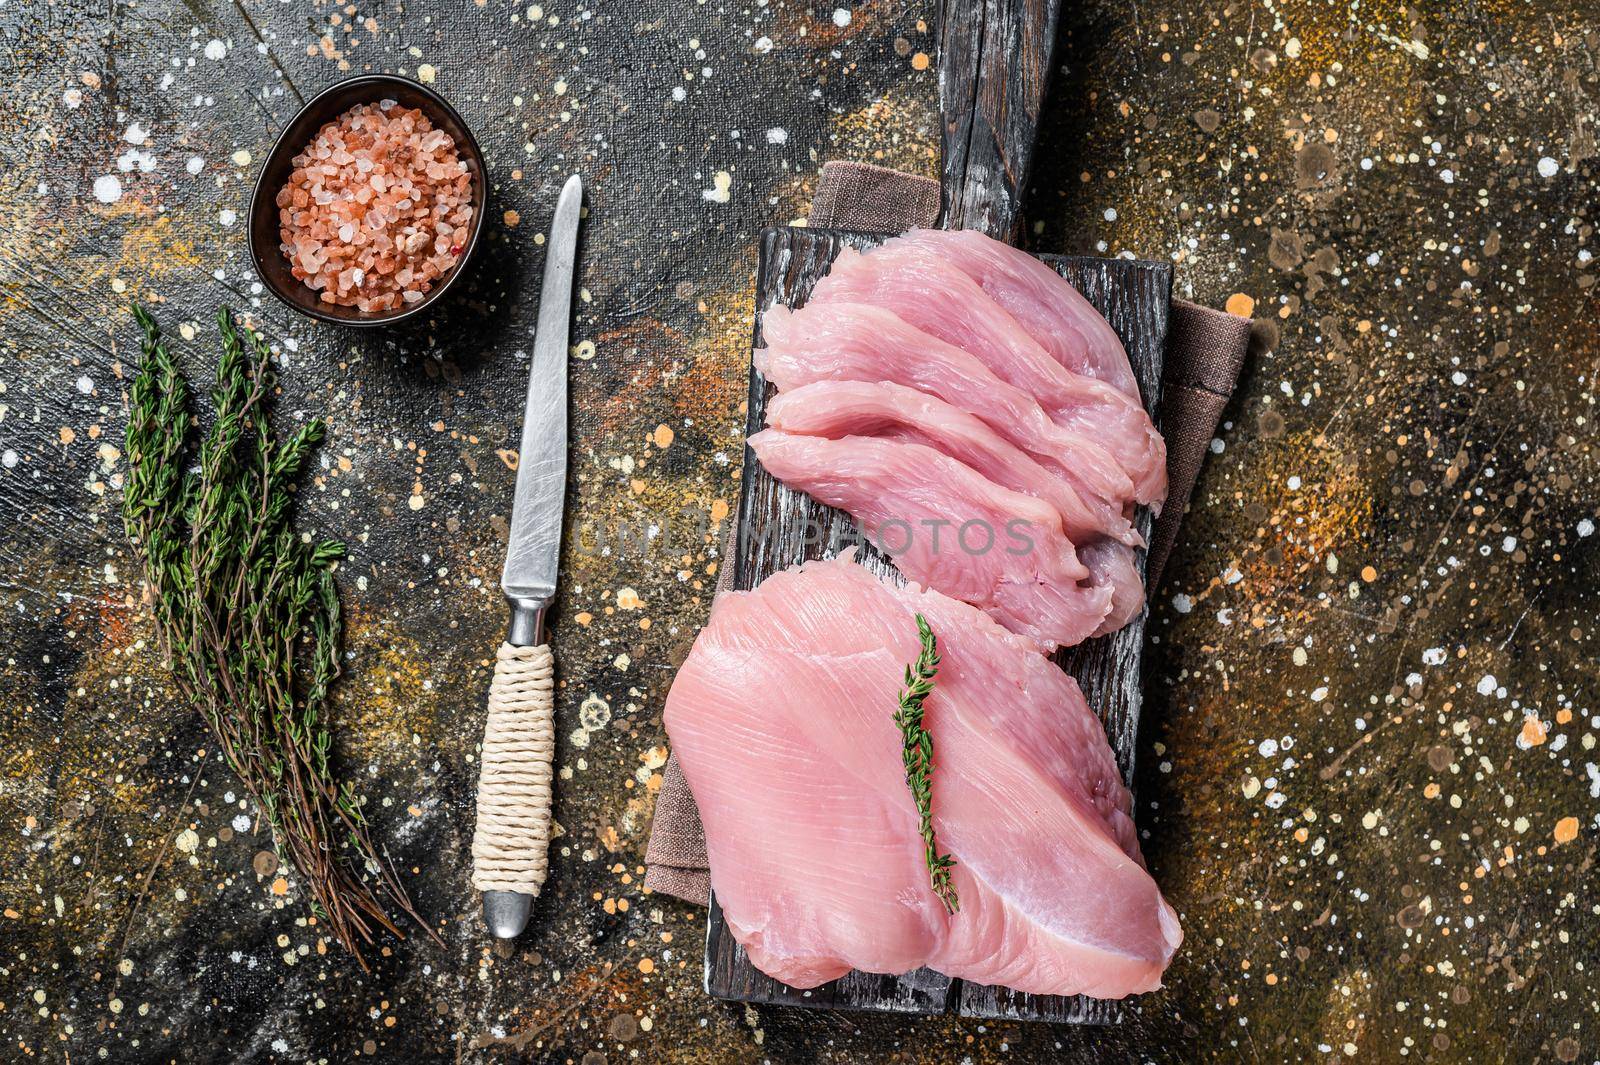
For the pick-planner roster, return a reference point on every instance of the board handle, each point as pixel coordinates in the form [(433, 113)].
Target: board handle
[(511, 843), (994, 68)]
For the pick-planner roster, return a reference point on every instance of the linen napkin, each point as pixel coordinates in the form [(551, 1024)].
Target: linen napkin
[(1205, 349)]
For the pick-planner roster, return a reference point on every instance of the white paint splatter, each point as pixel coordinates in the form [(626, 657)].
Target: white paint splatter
[(195, 164), (108, 188), (1433, 656), (777, 135), (9, 458), (1548, 167), (763, 45), (135, 134), (134, 159), (227, 216), (721, 190), (85, 384), (841, 17), (1488, 684), (215, 49), (1585, 527)]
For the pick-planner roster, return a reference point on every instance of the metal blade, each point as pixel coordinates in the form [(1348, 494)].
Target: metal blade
[(534, 553)]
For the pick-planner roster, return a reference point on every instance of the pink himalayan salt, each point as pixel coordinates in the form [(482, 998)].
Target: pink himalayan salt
[(376, 208)]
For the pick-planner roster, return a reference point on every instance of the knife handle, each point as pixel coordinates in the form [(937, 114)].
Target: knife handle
[(510, 846)]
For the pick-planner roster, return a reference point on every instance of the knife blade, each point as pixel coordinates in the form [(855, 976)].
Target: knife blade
[(511, 841), (534, 551)]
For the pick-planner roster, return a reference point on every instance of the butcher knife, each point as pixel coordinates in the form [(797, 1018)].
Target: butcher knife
[(511, 842)]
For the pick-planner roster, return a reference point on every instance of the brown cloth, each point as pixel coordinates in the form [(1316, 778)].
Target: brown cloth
[(1205, 349)]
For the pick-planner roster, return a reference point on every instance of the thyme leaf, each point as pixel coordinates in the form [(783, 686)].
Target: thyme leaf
[(916, 751)]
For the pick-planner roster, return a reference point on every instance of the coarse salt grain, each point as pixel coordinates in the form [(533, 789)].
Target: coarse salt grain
[(377, 206)]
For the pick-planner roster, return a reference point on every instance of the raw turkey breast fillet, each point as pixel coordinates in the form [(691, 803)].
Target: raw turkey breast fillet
[(782, 719), (920, 284)]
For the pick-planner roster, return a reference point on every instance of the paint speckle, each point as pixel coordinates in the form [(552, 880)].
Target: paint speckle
[(1548, 167), (108, 188), (215, 49), (841, 17), (426, 73), (721, 188)]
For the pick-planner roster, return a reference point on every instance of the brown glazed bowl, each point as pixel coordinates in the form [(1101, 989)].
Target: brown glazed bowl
[(324, 108)]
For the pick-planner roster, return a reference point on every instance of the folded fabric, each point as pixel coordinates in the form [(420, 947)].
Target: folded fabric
[(1205, 349)]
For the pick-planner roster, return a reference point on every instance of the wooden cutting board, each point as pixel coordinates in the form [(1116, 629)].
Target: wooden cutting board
[(779, 527)]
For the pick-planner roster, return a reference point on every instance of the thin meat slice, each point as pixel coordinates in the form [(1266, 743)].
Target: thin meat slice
[(857, 342), (925, 289), (836, 409), (950, 528), (1051, 310), (782, 721), (1112, 565)]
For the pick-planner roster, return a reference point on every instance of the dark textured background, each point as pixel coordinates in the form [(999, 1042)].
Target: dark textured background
[(1368, 774)]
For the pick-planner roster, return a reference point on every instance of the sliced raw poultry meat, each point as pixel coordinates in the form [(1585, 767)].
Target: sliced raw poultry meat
[(858, 342), (782, 720), (1112, 565), (836, 409), (951, 528), (920, 284), (1051, 310)]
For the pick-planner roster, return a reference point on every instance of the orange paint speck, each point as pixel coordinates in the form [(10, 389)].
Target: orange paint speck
[(1240, 304), (647, 966), (1566, 830), (280, 886), (1532, 732)]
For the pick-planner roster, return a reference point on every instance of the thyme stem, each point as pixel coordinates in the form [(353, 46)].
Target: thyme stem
[(916, 751), (247, 615)]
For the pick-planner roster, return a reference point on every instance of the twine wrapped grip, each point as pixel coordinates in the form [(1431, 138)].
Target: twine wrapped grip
[(510, 846)]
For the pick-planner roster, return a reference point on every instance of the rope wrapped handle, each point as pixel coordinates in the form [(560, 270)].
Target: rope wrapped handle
[(510, 847)]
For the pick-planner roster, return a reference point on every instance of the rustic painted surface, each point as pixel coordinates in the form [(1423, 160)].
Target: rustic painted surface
[(1369, 774)]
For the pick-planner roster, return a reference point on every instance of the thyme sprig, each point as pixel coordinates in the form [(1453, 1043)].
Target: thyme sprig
[(247, 614), (916, 751)]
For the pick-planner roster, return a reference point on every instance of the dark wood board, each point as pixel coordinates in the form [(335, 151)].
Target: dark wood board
[(994, 69), (779, 527)]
